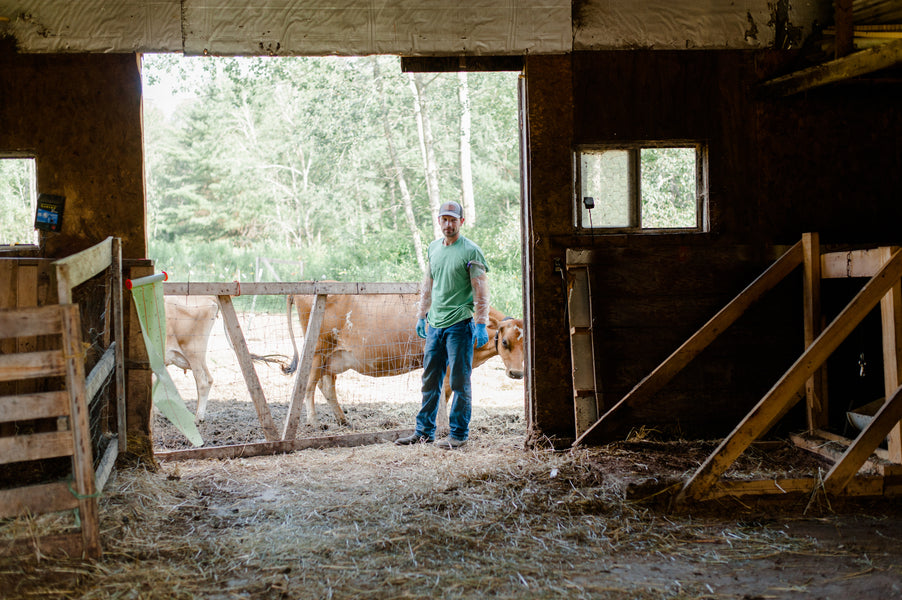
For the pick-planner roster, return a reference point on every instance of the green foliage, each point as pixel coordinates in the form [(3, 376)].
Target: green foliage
[(668, 187), (17, 197), (287, 158)]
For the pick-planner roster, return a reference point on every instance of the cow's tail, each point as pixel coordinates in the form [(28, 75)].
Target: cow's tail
[(293, 366)]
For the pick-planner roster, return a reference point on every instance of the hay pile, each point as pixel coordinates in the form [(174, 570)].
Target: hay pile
[(495, 519)]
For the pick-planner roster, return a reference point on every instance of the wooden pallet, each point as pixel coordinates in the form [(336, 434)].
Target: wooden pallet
[(72, 438)]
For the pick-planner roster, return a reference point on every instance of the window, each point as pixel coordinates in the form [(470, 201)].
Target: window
[(18, 183), (643, 187)]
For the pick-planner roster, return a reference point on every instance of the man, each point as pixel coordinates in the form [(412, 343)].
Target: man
[(455, 300)]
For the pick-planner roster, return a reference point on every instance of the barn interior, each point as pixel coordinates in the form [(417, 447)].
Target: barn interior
[(793, 112)]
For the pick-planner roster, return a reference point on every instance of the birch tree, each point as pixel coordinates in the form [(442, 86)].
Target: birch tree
[(466, 168), (398, 169), (427, 149)]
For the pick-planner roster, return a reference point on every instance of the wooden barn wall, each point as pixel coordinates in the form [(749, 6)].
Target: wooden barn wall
[(828, 161), (79, 115)]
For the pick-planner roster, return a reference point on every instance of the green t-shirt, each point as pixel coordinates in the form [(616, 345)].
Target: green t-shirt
[(452, 293)]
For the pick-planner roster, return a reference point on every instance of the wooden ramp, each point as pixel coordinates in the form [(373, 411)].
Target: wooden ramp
[(883, 267), (70, 439)]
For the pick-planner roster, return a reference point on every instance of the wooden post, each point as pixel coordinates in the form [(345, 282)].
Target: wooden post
[(119, 340), (247, 367), (845, 28), (311, 337), (891, 315), (815, 396)]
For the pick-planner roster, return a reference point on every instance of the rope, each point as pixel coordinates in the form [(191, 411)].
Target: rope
[(80, 496)]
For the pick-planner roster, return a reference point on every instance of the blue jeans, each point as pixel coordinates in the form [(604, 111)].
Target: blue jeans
[(451, 347)]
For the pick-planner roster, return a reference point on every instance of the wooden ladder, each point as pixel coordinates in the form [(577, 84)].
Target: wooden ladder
[(72, 438)]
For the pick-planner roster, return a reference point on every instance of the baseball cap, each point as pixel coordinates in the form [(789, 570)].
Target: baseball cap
[(452, 209)]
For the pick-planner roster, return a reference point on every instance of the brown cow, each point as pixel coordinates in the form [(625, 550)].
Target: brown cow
[(375, 335), (189, 320)]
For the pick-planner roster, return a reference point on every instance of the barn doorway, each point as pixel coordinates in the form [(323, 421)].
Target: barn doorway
[(274, 169)]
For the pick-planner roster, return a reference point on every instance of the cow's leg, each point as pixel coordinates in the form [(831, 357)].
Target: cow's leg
[(442, 425), (316, 372), (203, 380), (327, 385)]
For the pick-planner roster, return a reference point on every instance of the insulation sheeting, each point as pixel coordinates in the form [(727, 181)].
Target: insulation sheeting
[(93, 25), (689, 24), (291, 27)]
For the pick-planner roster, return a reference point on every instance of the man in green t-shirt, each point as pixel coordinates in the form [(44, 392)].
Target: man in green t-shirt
[(454, 298)]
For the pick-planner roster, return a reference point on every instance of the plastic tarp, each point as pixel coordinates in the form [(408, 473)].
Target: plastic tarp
[(148, 296)]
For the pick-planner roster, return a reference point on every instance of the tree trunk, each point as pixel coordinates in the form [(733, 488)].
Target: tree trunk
[(427, 148), (399, 171), (466, 168)]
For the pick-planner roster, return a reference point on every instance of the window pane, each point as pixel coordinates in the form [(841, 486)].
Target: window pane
[(604, 176), (17, 201), (668, 181)]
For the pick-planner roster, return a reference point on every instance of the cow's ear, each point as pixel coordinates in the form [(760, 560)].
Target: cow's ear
[(493, 322)]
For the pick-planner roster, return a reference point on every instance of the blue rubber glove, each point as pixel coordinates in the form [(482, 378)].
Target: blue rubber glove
[(421, 328), (482, 336)]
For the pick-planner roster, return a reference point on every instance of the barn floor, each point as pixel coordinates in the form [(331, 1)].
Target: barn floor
[(495, 519)]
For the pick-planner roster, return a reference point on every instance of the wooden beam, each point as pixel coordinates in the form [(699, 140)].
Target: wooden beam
[(40, 405), (24, 322), (29, 365), (815, 388), (833, 452), (844, 20), (284, 446), (868, 439), (233, 328), (609, 425), (853, 263), (857, 64), (78, 268), (453, 64), (782, 396), (236, 288)]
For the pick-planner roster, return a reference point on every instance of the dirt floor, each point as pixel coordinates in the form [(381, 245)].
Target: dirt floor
[(495, 519)]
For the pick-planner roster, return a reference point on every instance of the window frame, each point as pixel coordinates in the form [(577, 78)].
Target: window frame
[(702, 224)]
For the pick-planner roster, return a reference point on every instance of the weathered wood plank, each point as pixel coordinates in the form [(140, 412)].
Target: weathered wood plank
[(853, 65), (39, 320), (118, 326), (48, 363), (36, 499), (78, 268), (35, 446), (781, 397), (607, 425), (82, 459), (853, 263), (299, 390), (101, 372), (284, 446), (233, 328), (40, 405), (106, 464), (236, 288)]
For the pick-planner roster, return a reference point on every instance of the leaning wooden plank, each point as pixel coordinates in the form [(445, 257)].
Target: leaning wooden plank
[(783, 395), (284, 446), (78, 268), (833, 452), (299, 390), (762, 487), (236, 288), (610, 424), (40, 405), (101, 372), (28, 365), (868, 439), (233, 328), (82, 459), (35, 446), (853, 65), (36, 499), (106, 464), (20, 322)]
